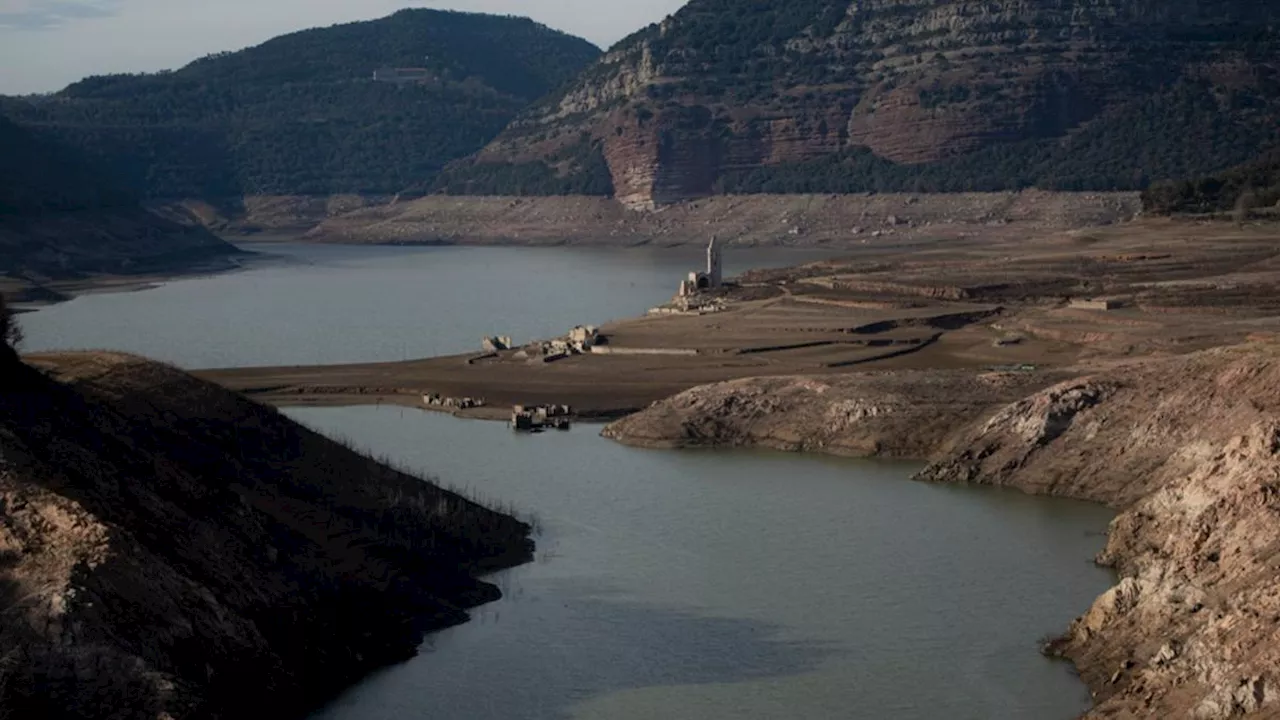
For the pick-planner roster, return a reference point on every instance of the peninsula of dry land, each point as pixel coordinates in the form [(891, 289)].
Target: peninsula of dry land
[(1018, 306), (1136, 365)]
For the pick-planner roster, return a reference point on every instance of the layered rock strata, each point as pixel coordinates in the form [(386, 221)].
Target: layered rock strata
[(830, 94)]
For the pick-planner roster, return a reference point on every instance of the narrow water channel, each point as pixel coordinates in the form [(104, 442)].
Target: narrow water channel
[(738, 585)]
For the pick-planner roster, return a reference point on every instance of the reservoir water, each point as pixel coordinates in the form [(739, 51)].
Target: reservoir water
[(313, 304), (666, 584)]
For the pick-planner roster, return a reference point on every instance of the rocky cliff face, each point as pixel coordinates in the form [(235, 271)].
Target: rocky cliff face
[(833, 95), (1190, 448), (171, 550)]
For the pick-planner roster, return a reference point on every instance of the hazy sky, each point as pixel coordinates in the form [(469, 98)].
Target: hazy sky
[(46, 44)]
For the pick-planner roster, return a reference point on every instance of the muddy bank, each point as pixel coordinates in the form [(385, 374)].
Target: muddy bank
[(170, 549), (1187, 447), (645, 360)]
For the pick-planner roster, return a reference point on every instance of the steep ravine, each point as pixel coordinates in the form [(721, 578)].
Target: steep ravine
[(1188, 448)]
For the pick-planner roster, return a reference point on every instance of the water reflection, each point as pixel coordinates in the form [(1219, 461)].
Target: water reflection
[(511, 668)]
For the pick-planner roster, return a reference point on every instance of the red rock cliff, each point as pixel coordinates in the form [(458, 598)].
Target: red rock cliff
[(916, 94)]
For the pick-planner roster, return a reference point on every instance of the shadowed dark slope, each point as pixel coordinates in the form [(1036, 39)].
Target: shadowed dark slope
[(169, 546), (61, 218)]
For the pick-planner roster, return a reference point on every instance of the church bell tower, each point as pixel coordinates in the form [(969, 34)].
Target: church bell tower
[(714, 271)]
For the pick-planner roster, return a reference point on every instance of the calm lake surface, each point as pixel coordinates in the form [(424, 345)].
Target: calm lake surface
[(738, 585), (666, 584), (316, 304)]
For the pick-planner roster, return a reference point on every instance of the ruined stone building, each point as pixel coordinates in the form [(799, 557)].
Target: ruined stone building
[(709, 280), (402, 75), (583, 337)]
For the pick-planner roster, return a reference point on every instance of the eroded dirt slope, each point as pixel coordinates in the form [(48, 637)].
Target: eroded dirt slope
[(1190, 449), (170, 549)]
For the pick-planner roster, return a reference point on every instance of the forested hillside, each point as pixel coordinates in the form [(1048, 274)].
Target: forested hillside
[(38, 177), (1246, 187), (60, 218), (303, 114)]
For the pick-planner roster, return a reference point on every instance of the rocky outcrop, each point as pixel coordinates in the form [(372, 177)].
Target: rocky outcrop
[(833, 95), (1191, 630), (1114, 436), (1187, 448), (171, 550), (1190, 449), (889, 414)]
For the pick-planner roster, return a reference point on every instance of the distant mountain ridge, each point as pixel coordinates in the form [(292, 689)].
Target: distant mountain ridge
[(303, 113), (902, 95)]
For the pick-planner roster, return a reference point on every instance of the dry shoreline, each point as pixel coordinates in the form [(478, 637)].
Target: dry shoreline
[(757, 337), (1164, 407), (748, 220), (843, 222)]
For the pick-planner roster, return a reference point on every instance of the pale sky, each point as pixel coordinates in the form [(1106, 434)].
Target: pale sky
[(47, 44)]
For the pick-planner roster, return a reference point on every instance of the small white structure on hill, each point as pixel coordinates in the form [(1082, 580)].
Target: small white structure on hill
[(711, 279), (1097, 304)]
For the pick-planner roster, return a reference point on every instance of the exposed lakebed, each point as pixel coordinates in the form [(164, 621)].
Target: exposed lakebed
[(679, 584)]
